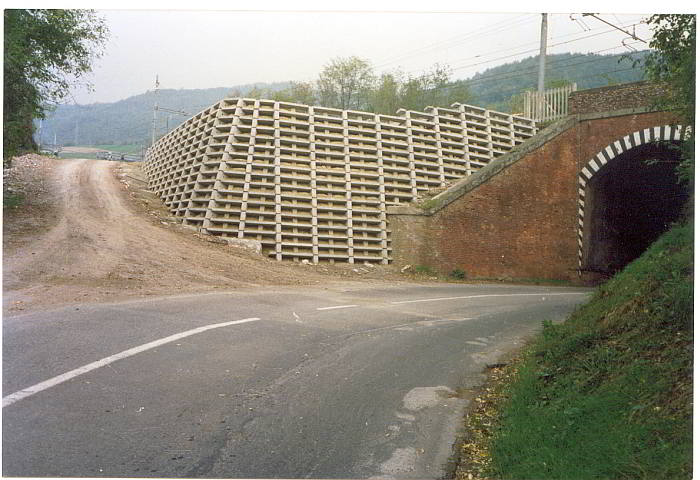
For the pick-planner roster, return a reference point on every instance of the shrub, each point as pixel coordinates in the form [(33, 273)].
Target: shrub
[(458, 274)]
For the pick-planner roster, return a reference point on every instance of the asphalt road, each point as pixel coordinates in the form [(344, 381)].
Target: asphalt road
[(315, 383)]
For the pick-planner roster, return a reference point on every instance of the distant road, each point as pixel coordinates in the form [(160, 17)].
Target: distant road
[(272, 382)]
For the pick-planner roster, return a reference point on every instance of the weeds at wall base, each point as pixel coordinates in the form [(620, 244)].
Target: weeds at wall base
[(12, 200)]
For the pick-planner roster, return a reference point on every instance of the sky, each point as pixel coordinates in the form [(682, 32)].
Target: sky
[(194, 48)]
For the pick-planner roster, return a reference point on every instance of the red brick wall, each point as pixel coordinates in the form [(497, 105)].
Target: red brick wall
[(522, 222)]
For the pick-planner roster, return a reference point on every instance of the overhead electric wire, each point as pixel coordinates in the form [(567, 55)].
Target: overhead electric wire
[(528, 51), (529, 71), (522, 73), (495, 28), (457, 43), (452, 41), (531, 50), (385, 62), (554, 63)]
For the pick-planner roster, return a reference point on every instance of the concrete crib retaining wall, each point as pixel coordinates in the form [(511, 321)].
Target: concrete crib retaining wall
[(315, 183)]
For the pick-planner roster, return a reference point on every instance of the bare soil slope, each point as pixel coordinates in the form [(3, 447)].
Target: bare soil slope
[(89, 230)]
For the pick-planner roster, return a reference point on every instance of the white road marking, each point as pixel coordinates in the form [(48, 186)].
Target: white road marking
[(441, 299), (27, 392), (336, 307), (296, 317)]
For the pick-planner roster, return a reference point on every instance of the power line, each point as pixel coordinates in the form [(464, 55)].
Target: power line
[(389, 59), (555, 63), (531, 50), (527, 71), (633, 34), (495, 28), (531, 43)]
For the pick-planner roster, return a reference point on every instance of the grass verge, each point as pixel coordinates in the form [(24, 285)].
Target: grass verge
[(608, 393), (12, 200)]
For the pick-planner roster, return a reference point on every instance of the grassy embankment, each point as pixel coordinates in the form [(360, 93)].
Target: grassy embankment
[(608, 393)]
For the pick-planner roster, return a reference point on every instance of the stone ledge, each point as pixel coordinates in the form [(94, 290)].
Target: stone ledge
[(615, 113)]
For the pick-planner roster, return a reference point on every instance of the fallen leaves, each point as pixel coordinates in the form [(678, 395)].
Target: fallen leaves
[(480, 422)]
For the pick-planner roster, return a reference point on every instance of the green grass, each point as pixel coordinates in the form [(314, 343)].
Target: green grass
[(428, 204), (425, 270), (12, 200), (458, 274), (608, 393)]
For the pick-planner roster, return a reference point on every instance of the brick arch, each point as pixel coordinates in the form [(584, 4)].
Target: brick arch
[(610, 154)]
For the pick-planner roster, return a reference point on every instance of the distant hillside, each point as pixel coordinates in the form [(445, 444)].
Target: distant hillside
[(494, 87), (129, 121)]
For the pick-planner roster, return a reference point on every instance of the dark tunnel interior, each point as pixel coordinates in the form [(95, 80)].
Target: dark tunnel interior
[(629, 203)]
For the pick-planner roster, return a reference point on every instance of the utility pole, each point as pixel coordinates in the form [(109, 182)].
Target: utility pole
[(38, 134), (543, 53), (155, 109)]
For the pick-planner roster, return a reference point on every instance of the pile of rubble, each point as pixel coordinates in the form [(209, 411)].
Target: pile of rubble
[(26, 176)]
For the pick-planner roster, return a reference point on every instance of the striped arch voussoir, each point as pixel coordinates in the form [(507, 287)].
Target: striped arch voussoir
[(618, 147)]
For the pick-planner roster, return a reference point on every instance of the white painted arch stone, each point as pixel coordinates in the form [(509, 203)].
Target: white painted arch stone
[(665, 133)]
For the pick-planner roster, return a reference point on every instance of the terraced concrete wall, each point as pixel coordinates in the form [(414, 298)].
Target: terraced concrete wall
[(315, 183)]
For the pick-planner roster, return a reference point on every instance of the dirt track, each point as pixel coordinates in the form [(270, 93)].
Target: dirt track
[(84, 236)]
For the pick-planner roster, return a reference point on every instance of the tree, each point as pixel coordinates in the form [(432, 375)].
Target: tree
[(297, 92), (672, 61), (386, 97), (458, 92), (346, 83), (46, 52), (433, 88)]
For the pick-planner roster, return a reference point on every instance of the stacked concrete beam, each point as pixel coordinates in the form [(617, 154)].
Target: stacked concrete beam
[(314, 183)]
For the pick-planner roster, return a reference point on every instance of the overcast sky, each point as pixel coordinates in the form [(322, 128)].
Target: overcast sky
[(205, 48)]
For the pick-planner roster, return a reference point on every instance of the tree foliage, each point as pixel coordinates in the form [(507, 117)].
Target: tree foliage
[(45, 53), (352, 84), (432, 88), (345, 83), (672, 61)]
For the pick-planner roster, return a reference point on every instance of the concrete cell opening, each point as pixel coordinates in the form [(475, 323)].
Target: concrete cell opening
[(629, 203)]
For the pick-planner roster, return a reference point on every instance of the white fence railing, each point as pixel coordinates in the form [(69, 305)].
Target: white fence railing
[(549, 105)]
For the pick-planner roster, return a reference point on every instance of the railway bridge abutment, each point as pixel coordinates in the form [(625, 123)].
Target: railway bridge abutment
[(577, 202)]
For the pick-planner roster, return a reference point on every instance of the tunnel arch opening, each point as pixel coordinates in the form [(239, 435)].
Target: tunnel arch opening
[(630, 200)]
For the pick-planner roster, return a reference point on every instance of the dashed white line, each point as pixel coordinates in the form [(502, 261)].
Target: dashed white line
[(336, 307), (27, 392), (441, 299)]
